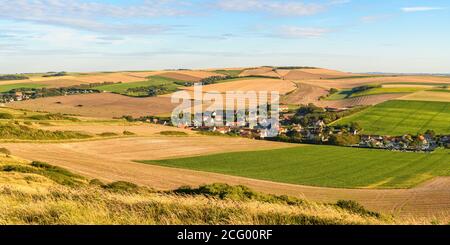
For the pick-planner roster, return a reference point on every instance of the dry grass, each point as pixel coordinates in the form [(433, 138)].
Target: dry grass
[(31, 198)]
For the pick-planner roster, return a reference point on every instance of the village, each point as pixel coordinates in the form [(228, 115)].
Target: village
[(313, 132)]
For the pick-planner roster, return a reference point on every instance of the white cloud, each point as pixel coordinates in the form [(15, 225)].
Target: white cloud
[(286, 8), (302, 32), (91, 16), (420, 9), (374, 18)]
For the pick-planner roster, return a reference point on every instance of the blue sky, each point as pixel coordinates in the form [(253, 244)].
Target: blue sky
[(103, 35)]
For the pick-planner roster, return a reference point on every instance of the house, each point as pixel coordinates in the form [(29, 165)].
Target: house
[(283, 108), (18, 96)]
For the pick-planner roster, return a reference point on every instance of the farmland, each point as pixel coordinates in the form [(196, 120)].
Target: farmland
[(124, 88), (176, 157), (325, 166), (374, 91), (104, 105), (402, 117), (432, 95), (35, 193)]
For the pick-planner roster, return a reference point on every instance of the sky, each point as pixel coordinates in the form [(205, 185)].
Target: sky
[(410, 36)]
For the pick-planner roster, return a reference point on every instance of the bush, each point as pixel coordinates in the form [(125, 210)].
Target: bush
[(334, 90), (22, 132), (173, 133), (128, 133), (96, 182), (237, 193), (344, 139), (6, 116), (57, 116), (121, 186), (5, 151), (57, 174), (356, 208), (107, 134)]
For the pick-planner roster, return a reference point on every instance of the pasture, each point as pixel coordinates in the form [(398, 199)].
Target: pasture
[(403, 117), (327, 166)]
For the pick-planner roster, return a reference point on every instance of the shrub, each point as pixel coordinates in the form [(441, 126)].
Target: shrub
[(107, 134), (121, 186), (22, 132), (334, 90), (237, 193), (57, 174), (6, 116), (5, 151), (173, 133), (356, 208), (344, 139), (128, 133), (57, 116), (96, 182)]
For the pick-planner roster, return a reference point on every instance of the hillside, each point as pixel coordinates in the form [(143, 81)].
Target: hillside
[(38, 193)]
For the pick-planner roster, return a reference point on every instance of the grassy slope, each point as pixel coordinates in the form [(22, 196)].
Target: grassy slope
[(402, 117), (325, 166), (41, 194)]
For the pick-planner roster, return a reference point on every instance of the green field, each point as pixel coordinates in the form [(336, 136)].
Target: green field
[(121, 88), (9, 87), (403, 117), (328, 166)]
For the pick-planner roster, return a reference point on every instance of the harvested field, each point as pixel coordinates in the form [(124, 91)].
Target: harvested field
[(428, 96), (188, 76), (358, 101), (328, 72), (257, 71), (113, 77), (102, 105), (180, 77), (110, 160), (303, 75), (355, 82), (304, 94), (246, 85)]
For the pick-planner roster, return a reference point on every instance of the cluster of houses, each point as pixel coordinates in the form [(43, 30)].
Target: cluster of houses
[(400, 143), (259, 128)]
